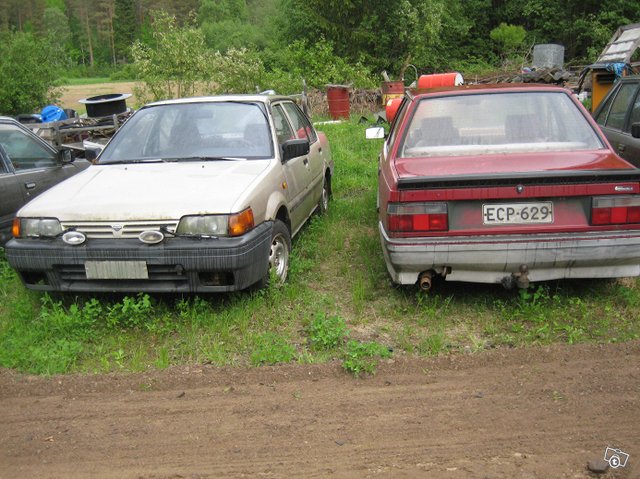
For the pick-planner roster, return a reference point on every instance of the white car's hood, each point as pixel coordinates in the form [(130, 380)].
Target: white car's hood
[(147, 191)]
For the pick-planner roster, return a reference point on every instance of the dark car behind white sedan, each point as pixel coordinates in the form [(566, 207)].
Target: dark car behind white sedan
[(28, 166)]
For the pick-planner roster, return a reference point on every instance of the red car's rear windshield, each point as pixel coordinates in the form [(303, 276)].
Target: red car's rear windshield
[(495, 123)]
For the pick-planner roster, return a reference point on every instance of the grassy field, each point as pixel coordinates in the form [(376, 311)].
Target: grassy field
[(338, 304)]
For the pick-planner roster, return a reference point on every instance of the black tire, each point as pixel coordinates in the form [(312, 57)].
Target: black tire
[(279, 254), (323, 203)]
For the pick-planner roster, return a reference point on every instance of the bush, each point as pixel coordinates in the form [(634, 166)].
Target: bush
[(317, 64), (363, 357), (327, 332), (27, 74), (508, 37), (270, 348), (237, 71)]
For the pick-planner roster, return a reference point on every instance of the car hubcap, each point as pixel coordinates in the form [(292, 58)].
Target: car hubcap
[(279, 257)]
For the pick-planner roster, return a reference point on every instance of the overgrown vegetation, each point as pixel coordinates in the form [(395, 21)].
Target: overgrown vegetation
[(27, 73), (338, 304), (179, 48)]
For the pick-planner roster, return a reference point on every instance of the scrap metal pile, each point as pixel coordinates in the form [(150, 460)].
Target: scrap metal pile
[(72, 132), (558, 76)]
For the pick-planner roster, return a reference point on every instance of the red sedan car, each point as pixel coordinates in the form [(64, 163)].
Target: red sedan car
[(504, 184)]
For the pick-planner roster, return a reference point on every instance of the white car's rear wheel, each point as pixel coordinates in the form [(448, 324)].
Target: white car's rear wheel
[(323, 204)]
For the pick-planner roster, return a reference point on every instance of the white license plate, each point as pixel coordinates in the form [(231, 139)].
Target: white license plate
[(517, 213), (116, 270)]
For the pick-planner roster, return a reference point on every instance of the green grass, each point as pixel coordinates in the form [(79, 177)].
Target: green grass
[(88, 81), (338, 304)]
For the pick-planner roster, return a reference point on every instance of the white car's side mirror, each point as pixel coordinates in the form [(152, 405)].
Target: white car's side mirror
[(374, 133)]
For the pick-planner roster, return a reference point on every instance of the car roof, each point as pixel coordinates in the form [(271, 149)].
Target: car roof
[(255, 98), (486, 88), (8, 119)]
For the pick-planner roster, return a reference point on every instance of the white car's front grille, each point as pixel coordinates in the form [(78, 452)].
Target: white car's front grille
[(119, 229)]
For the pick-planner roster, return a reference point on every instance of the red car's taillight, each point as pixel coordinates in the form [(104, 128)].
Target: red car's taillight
[(615, 210), (417, 217)]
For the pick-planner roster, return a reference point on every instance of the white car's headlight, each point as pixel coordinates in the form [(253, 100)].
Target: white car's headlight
[(216, 225), (209, 225), (36, 227)]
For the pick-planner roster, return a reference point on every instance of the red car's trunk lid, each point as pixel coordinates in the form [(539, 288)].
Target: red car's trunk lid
[(511, 163)]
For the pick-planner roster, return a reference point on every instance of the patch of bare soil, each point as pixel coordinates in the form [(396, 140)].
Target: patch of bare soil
[(72, 93), (525, 413)]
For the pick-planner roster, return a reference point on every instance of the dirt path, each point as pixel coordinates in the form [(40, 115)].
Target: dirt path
[(525, 413)]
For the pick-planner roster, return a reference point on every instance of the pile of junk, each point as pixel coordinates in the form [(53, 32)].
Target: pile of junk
[(619, 58), (64, 128), (615, 61)]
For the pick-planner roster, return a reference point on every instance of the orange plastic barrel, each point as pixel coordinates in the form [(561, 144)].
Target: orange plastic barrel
[(391, 108), (440, 79), (338, 98)]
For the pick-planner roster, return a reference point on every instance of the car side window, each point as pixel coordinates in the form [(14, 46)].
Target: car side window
[(3, 154), (395, 126), (283, 130), (635, 113), (601, 116), (301, 125), (620, 106), (24, 152)]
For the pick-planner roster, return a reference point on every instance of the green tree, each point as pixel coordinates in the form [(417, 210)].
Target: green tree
[(177, 64), (125, 28), (56, 32), (27, 73), (218, 10), (582, 26), (228, 24), (381, 34)]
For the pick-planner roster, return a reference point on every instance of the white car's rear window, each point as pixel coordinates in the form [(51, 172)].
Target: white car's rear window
[(495, 123)]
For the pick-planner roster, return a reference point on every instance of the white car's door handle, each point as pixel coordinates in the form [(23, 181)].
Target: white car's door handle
[(306, 161)]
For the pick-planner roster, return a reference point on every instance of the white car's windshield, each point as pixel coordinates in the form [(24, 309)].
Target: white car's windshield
[(192, 131), (497, 123)]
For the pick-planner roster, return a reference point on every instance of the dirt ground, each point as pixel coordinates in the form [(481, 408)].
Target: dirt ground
[(72, 93), (508, 413)]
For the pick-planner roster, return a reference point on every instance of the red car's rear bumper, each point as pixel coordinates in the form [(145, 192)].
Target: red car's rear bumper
[(497, 258)]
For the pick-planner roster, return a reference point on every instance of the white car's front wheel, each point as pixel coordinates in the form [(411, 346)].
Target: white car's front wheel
[(280, 251)]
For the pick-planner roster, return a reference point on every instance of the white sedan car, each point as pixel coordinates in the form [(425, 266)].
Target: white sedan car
[(191, 195)]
